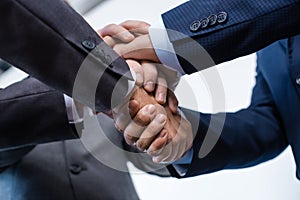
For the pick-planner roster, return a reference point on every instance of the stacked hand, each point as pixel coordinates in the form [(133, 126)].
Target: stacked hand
[(130, 40), (149, 119)]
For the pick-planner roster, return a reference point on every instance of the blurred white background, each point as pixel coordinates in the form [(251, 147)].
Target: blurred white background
[(273, 180)]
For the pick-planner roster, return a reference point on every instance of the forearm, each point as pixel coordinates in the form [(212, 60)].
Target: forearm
[(250, 26), (32, 113), (47, 39), (247, 138), (9, 157)]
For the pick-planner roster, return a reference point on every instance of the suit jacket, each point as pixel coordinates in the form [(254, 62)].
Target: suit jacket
[(228, 29), (263, 130), (41, 156), (64, 170), (50, 41)]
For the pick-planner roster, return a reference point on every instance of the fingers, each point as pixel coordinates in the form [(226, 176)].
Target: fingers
[(151, 132), (133, 107), (136, 26), (179, 144), (139, 49), (161, 89), (121, 117), (123, 114), (171, 152), (167, 151), (157, 146), (124, 32), (172, 102), (135, 127), (116, 31), (109, 41), (137, 68), (150, 76)]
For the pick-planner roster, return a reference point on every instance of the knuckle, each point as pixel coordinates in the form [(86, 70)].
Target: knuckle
[(142, 119), (109, 27), (156, 147), (141, 145), (129, 138), (128, 21), (153, 130)]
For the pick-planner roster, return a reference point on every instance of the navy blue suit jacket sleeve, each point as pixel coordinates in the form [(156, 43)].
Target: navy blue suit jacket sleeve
[(50, 41), (249, 137), (250, 26)]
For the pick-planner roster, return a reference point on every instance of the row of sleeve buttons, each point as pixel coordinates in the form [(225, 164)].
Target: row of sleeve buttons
[(206, 22)]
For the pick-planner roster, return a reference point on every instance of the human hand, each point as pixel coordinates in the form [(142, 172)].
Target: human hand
[(154, 137), (125, 32), (130, 34), (166, 136), (180, 139), (139, 48), (130, 39), (152, 80), (154, 84)]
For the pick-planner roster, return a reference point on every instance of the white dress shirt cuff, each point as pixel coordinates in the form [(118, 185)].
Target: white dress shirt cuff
[(163, 47), (73, 115), (131, 84), (181, 165)]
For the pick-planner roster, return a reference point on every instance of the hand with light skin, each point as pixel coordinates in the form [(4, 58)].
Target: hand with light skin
[(146, 72), (130, 39)]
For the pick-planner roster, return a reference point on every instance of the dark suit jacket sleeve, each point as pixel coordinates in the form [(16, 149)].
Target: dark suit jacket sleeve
[(250, 26), (249, 137), (45, 39), (32, 113)]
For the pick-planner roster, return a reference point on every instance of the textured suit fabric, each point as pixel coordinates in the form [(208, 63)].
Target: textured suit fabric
[(41, 157), (251, 25), (44, 38), (267, 126), (42, 123), (46, 173), (287, 94), (45, 123)]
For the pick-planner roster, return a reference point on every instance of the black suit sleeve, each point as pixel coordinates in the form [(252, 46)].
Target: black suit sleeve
[(248, 137), (32, 113), (50, 41)]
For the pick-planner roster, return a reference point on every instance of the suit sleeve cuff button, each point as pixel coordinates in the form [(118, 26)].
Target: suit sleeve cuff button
[(89, 45), (222, 17), (195, 25)]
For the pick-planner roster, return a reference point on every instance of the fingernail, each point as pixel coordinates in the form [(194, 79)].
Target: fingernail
[(139, 79), (149, 86), (161, 97), (161, 118)]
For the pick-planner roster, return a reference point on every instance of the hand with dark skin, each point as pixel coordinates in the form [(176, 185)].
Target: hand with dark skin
[(155, 128)]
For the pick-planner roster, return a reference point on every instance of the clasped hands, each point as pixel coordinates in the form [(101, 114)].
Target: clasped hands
[(149, 119)]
